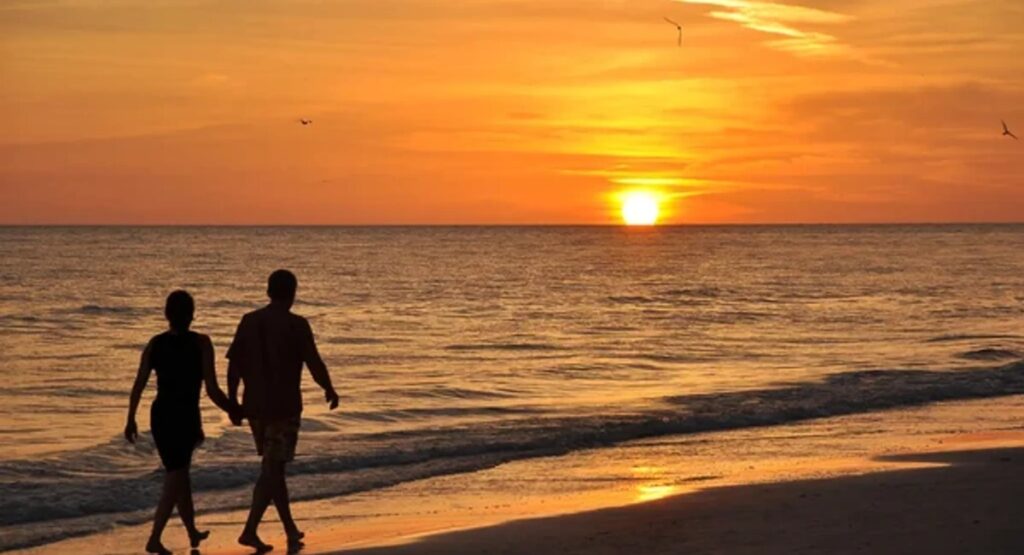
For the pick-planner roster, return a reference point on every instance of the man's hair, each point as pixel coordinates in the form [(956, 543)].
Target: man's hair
[(282, 285), (180, 309)]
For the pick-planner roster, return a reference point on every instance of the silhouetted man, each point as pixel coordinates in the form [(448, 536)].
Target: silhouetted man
[(267, 354)]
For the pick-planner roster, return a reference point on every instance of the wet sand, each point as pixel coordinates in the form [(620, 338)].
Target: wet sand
[(963, 502)]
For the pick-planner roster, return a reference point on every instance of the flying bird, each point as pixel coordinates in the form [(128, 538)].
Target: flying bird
[(305, 121), (679, 29), (1007, 132)]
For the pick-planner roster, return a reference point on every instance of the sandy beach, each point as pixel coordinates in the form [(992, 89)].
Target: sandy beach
[(968, 502)]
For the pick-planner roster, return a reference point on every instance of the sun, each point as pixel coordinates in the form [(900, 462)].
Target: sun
[(639, 208)]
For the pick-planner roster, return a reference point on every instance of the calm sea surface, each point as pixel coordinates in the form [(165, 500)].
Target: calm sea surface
[(460, 348)]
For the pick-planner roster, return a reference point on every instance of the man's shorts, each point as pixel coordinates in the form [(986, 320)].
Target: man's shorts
[(276, 440)]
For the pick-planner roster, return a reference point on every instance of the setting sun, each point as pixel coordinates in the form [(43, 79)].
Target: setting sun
[(639, 208)]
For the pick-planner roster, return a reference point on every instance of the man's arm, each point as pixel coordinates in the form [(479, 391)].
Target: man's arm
[(234, 378), (311, 356)]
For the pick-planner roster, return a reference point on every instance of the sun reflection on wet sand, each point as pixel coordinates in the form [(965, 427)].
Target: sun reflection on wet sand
[(654, 492)]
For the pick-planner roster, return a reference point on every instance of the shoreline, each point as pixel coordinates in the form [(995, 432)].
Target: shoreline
[(527, 495), (963, 502)]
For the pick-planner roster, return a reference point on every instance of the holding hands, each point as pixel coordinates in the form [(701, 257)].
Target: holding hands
[(131, 429), (235, 413)]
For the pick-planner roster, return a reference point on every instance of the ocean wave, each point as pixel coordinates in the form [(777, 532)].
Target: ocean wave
[(610, 329), (116, 478), (29, 319), (234, 304), (969, 337), (58, 357), (354, 341), (449, 392), (668, 358), (321, 304), (503, 347), (19, 318), (398, 415), (95, 309), (694, 292), (991, 354), (635, 299), (62, 391)]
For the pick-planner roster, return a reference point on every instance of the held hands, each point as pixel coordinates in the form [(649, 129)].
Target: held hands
[(331, 397), (131, 431), (235, 413)]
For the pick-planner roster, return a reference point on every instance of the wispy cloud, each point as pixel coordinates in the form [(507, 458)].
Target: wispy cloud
[(786, 21)]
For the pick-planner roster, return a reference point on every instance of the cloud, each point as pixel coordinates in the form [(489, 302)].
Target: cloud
[(786, 21)]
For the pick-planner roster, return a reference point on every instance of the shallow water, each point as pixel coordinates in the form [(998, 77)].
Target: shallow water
[(460, 348)]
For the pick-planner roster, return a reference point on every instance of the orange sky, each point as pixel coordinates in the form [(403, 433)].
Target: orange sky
[(509, 111)]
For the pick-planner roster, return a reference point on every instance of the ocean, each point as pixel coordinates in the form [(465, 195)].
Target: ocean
[(457, 349)]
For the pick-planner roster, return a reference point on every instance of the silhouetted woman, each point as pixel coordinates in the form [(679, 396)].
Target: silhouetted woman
[(183, 361)]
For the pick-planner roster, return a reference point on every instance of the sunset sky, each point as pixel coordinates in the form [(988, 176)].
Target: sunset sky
[(509, 111)]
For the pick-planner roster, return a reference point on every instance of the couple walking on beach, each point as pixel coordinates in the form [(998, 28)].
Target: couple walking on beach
[(267, 354)]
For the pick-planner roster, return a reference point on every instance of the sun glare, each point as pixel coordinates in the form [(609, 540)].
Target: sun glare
[(639, 208)]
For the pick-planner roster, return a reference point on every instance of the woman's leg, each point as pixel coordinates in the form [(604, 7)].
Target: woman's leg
[(187, 512), (168, 498)]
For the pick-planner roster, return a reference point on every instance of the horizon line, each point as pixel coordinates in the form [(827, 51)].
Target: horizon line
[(507, 225)]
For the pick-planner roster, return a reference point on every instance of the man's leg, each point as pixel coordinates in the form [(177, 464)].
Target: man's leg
[(283, 504), (261, 497), (260, 492)]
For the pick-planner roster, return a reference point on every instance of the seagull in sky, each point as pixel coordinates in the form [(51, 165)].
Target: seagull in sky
[(1007, 132), (679, 29), (305, 121)]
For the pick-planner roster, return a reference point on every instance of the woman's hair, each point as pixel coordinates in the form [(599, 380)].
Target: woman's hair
[(179, 310)]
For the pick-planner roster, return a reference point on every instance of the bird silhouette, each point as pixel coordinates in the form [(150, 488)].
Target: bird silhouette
[(1007, 132), (679, 29), (305, 121)]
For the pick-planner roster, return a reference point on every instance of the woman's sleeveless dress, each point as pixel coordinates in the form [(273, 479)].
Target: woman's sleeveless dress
[(174, 416)]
